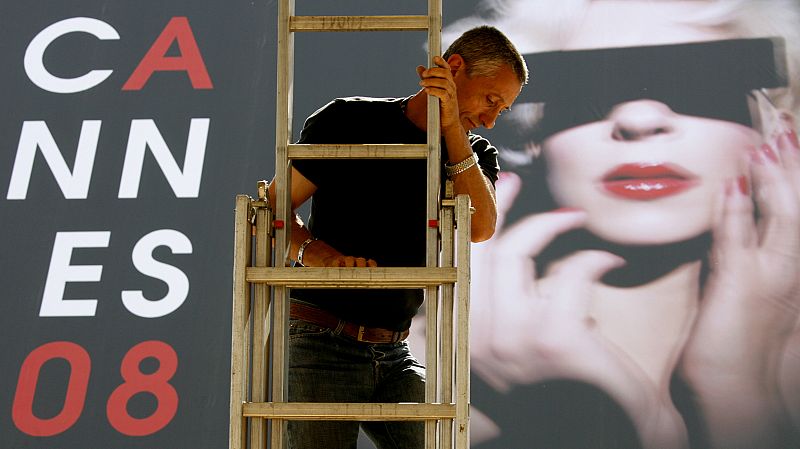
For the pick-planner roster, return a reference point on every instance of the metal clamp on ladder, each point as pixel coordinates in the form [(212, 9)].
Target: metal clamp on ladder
[(259, 288)]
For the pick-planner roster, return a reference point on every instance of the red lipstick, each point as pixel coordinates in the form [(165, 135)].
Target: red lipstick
[(647, 181)]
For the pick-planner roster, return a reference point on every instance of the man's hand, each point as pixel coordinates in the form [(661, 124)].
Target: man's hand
[(320, 254), (349, 261), (438, 81)]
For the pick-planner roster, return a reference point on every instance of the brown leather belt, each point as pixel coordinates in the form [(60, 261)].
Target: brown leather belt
[(364, 334)]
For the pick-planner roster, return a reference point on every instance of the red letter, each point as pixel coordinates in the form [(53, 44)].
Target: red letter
[(190, 59)]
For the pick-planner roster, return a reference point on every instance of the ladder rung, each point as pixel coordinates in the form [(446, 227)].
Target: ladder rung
[(358, 23), (381, 277), (383, 151), (349, 411)]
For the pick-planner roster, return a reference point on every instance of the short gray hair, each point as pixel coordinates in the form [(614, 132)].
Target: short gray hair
[(485, 49)]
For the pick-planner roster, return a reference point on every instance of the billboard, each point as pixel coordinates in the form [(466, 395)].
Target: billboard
[(130, 127)]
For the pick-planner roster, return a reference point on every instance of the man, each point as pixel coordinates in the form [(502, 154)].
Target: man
[(347, 345)]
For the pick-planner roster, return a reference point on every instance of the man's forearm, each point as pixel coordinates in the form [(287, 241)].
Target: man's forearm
[(473, 183)]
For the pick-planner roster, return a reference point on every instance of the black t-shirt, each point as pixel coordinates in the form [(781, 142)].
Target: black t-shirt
[(372, 208)]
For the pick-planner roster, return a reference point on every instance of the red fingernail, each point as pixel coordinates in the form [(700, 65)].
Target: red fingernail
[(793, 139), (744, 185), (770, 154), (785, 142), (755, 156)]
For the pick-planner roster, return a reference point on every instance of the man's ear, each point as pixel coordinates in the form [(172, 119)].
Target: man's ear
[(456, 63)]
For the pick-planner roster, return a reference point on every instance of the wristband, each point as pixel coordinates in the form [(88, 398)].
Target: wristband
[(452, 170), (303, 249)]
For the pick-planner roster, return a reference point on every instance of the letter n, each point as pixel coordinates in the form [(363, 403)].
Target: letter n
[(74, 184)]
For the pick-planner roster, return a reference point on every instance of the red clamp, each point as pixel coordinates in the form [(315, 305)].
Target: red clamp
[(277, 224), (433, 223)]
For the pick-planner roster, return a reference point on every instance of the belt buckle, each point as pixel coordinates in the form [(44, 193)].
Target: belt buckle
[(360, 336)]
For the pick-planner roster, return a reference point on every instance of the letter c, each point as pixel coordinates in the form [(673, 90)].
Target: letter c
[(34, 55)]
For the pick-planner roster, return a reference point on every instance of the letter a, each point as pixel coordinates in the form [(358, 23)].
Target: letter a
[(155, 60)]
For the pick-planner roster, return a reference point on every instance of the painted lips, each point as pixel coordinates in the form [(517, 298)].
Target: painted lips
[(647, 181)]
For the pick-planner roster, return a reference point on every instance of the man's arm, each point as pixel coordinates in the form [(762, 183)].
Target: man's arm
[(473, 182), (438, 81), (317, 253)]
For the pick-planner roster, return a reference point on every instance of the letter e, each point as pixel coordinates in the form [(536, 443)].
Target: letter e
[(61, 272)]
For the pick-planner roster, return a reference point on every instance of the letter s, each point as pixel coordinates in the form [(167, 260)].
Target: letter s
[(177, 282)]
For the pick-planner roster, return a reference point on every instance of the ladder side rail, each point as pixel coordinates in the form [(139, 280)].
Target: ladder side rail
[(283, 133), (283, 129), (447, 347), (434, 139), (261, 303), (431, 360), (432, 207), (239, 343), (463, 225), (248, 329)]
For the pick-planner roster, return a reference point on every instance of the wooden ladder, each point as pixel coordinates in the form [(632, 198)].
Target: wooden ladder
[(261, 279)]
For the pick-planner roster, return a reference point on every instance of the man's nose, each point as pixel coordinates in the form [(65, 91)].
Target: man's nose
[(489, 117)]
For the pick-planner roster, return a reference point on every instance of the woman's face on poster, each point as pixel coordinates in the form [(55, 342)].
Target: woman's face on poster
[(645, 173)]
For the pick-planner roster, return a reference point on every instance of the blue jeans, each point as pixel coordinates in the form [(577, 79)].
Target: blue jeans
[(325, 367)]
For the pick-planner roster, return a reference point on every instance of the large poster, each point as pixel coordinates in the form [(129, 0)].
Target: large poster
[(643, 289), (129, 127)]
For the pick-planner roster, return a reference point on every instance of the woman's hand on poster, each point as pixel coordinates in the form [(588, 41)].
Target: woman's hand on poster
[(751, 302), (527, 328)]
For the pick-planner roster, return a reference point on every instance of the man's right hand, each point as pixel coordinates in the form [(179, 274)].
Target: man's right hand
[(348, 261), (438, 81)]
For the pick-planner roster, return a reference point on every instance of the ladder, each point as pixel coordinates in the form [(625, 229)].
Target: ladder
[(260, 286)]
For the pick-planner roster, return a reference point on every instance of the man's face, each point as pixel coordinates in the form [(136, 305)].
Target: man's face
[(481, 99)]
